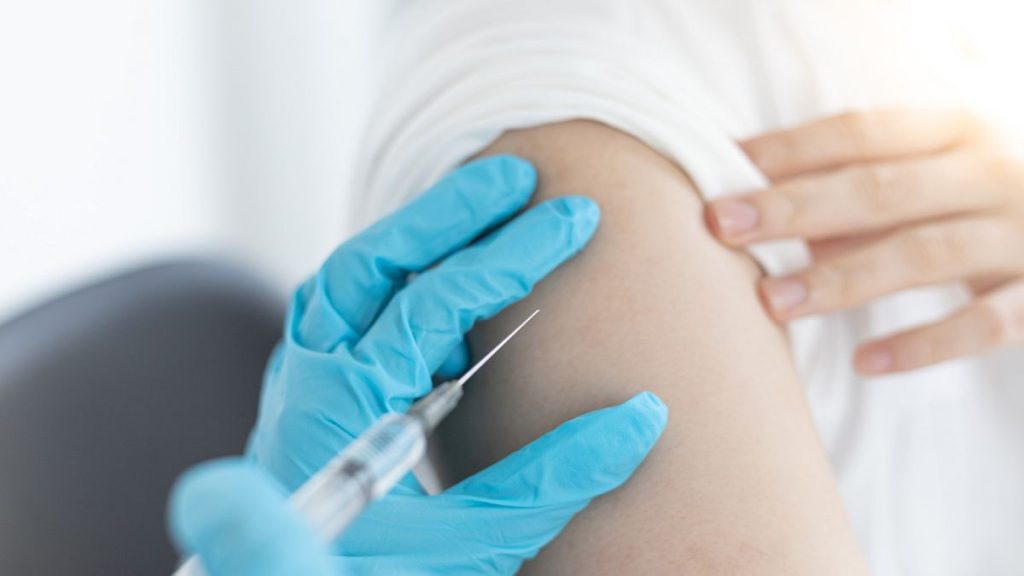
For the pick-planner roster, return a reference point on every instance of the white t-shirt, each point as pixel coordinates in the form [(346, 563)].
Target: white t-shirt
[(930, 464)]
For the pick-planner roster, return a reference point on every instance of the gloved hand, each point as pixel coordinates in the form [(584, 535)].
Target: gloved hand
[(362, 340), (236, 518)]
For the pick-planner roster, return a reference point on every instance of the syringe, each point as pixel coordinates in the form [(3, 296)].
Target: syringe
[(371, 466)]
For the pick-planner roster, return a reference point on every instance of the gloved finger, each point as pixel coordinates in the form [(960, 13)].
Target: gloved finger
[(493, 521), (456, 363), (238, 521), (583, 458), (359, 278), (426, 320), (531, 495)]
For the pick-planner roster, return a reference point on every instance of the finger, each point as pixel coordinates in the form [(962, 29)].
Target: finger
[(583, 458), (456, 363), (238, 521), (359, 278), (857, 137), (496, 519), (426, 321), (991, 322), (533, 493), (919, 256), (856, 200)]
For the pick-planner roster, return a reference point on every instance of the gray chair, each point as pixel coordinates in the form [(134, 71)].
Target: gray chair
[(106, 395)]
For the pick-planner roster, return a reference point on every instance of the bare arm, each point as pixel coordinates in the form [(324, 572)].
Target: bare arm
[(739, 483)]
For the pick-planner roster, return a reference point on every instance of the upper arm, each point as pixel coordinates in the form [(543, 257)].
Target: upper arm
[(738, 482)]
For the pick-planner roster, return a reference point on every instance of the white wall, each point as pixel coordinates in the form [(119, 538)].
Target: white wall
[(290, 94), (131, 130)]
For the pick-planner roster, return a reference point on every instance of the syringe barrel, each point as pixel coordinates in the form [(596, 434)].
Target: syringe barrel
[(370, 466), (365, 470)]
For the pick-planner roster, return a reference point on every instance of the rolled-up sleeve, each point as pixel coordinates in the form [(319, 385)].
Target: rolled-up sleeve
[(457, 74)]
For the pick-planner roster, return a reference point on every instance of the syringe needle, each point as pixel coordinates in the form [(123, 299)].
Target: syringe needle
[(493, 351)]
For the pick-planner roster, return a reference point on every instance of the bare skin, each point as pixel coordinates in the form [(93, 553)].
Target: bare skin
[(739, 483)]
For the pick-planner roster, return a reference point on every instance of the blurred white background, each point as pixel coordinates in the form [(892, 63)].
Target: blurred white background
[(134, 130)]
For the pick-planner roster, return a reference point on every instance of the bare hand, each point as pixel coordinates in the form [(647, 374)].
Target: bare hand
[(891, 200)]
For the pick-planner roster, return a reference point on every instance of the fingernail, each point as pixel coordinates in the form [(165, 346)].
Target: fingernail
[(654, 413), (583, 210), (735, 217), (874, 361), (785, 294), (521, 175), (651, 400)]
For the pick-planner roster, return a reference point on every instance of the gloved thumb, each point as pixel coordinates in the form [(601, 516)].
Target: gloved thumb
[(238, 520), (533, 493)]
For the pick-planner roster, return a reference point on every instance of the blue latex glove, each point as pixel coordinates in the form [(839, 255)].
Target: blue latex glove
[(362, 340), (236, 518)]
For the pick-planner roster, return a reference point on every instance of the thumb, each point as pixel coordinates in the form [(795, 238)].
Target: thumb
[(237, 519), (492, 522), (583, 458), (527, 499)]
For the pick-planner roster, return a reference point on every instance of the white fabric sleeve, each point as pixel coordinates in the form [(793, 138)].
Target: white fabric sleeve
[(459, 73)]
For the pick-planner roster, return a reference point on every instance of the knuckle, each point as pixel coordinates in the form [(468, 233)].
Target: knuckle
[(876, 189), (987, 245), (830, 285), (856, 128), (471, 285), (418, 304), (1006, 171), (926, 249), (784, 206)]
